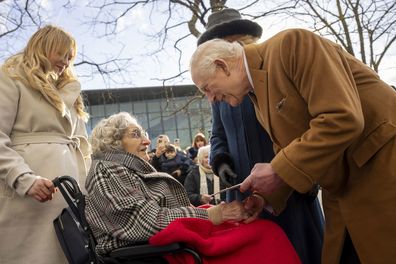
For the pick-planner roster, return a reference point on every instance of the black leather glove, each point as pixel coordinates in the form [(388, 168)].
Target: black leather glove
[(226, 174)]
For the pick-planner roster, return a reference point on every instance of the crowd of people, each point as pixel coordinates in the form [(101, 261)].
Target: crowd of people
[(190, 167), (292, 114)]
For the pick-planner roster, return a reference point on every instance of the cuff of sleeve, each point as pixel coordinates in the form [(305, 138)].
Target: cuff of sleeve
[(215, 214), (24, 182), (219, 159), (277, 201), (15, 173), (290, 174)]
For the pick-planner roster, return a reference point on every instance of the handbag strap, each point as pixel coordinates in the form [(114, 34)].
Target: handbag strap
[(59, 182), (77, 207)]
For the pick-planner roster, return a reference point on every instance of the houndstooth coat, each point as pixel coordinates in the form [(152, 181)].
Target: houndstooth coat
[(128, 201)]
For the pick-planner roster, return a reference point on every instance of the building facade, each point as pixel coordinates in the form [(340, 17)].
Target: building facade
[(177, 111)]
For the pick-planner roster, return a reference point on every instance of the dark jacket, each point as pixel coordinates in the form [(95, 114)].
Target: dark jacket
[(179, 162), (192, 184), (192, 153), (239, 140)]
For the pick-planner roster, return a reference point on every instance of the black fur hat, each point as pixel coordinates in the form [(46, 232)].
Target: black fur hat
[(228, 22)]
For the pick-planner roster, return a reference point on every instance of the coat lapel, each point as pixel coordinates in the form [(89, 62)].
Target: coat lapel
[(260, 84), (69, 94)]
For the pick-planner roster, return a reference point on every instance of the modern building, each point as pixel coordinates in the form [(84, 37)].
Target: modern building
[(178, 111)]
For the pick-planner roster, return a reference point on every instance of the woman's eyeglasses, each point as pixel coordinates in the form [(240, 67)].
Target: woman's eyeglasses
[(137, 133)]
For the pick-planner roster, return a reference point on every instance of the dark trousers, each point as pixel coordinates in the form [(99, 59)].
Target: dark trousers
[(349, 255)]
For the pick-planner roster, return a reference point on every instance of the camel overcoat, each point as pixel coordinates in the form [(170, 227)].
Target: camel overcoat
[(35, 138), (333, 122)]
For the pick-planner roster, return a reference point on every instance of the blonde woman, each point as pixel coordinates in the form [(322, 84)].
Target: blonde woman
[(42, 136)]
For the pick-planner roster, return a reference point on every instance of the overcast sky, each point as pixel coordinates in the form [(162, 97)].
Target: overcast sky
[(133, 41)]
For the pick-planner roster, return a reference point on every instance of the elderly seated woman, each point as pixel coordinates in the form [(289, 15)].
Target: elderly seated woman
[(128, 201)]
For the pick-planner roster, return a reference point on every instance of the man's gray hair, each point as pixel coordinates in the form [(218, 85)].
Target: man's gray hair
[(202, 60), (108, 133)]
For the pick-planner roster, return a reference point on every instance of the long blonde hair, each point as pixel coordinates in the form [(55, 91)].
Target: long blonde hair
[(33, 68)]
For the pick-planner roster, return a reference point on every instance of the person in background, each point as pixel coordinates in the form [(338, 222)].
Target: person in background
[(332, 122), (176, 163), (176, 142), (238, 142), (42, 136), (158, 158), (198, 141), (201, 181), (137, 200)]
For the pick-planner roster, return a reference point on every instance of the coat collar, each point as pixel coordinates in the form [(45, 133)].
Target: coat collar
[(69, 93), (260, 83), (127, 159)]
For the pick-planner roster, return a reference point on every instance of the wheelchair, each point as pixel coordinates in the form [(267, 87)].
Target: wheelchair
[(78, 242)]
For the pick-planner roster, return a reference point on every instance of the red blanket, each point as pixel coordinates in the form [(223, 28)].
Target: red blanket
[(259, 242)]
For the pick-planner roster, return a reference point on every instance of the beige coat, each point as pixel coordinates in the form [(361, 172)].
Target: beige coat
[(333, 121), (35, 138)]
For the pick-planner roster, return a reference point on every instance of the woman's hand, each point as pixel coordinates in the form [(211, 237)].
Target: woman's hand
[(205, 198), (234, 211), (224, 212), (41, 190)]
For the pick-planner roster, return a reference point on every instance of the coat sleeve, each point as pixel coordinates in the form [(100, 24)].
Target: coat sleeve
[(186, 164), (124, 210), (12, 165), (81, 133), (323, 78), (219, 152), (190, 184)]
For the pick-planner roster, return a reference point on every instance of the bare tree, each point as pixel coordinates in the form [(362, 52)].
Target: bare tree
[(20, 18), (177, 15), (16, 16), (366, 29)]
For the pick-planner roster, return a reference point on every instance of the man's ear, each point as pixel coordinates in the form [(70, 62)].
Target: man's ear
[(222, 65)]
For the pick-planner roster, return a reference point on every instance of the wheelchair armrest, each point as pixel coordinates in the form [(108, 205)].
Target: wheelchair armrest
[(145, 250)]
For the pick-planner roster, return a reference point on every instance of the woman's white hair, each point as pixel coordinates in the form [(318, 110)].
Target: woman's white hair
[(201, 153), (203, 58), (108, 133)]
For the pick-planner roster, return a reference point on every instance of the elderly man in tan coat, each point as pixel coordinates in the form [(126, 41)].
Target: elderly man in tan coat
[(332, 121)]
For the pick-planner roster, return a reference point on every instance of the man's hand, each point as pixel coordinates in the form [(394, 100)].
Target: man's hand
[(254, 205), (41, 190), (262, 179), (226, 174)]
